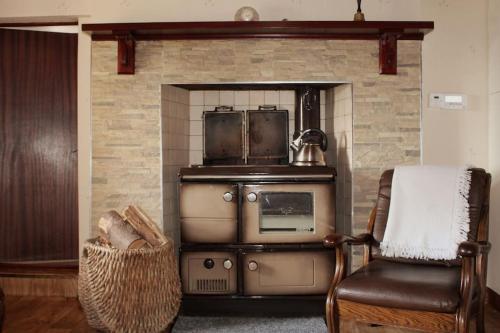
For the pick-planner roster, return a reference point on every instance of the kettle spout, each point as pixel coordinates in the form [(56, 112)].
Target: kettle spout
[(295, 144)]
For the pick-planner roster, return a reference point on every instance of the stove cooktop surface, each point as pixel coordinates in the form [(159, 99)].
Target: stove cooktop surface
[(257, 172)]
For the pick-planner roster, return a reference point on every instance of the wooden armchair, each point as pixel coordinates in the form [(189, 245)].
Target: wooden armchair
[(428, 295)]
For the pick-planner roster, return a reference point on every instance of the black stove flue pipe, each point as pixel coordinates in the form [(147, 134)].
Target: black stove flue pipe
[(307, 109)]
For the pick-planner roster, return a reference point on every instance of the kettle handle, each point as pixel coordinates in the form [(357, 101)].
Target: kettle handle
[(324, 139)]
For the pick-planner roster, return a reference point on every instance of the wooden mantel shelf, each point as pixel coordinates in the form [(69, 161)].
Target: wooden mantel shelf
[(387, 32), (259, 29)]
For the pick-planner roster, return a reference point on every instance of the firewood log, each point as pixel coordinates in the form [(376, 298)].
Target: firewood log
[(119, 233), (144, 226)]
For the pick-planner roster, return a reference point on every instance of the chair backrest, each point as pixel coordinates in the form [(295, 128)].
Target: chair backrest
[(478, 211)]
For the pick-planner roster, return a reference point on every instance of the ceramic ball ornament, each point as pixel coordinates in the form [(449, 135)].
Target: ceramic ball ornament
[(246, 14)]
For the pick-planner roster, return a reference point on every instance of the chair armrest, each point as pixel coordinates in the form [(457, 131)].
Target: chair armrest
[(335, 240), (473, 249)]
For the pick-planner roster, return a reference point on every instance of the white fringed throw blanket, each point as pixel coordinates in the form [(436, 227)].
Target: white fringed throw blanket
[(429, 212)]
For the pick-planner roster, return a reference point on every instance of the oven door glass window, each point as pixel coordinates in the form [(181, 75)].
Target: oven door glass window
[(290, 212)]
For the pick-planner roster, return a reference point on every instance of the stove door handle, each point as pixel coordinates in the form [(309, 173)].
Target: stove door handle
[(228, 197), (252, 265), (252, 197)]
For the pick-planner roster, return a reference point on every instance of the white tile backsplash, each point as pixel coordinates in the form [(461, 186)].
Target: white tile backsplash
[(257, 97), (195, 142), (211, 97), (209, 107), (339, 102), (195, 112), (242, 107), (226, 97), (287, 97), (290, 108), (241, 100), (175, 142), (348, 107), (195, 157), (348, 135), (348, 123), (195, 127), (291, 126), (272, 97), (196, 97), (242, 97), (322, 96)]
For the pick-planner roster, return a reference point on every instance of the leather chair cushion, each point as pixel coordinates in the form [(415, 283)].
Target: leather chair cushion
[(403, 285)]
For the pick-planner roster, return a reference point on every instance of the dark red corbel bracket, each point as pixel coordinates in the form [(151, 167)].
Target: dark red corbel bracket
[(126, 52), (388, 52)]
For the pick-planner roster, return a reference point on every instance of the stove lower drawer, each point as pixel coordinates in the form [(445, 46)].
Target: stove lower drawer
[(287, 273), (209, 273)]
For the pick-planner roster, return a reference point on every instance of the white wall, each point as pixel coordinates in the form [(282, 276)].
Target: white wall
[(454, 60), (494, 98), (208, 10)]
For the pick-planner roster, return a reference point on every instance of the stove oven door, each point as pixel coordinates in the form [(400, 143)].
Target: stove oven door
[(287, 273), (287, 213), (208, 212)]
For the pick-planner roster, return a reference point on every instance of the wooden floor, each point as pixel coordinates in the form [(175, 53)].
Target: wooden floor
[(64, 315), (43, 314)]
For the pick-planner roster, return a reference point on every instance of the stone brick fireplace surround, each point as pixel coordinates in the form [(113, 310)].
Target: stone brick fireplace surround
[(127, 159)]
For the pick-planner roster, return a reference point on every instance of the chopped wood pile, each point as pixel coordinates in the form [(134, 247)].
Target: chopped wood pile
[(132, 229)]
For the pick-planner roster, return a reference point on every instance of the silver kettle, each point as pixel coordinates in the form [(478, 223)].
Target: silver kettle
[(308, 153)]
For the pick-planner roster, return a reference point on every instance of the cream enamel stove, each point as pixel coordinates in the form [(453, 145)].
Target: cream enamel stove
[(256, 231)]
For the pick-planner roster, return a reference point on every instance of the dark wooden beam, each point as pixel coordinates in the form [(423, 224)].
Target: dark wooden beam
[(387, 32), (388, 53), (331, 36), (126, 53), (263, 27)]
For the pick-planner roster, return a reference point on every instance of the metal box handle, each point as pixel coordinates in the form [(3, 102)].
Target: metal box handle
[(223, 108), (268, 107)]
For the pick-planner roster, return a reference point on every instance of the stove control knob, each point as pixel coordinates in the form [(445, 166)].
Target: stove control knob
[(252, 265), (228, 264), (208, 263), (252, 197), (228, 196)]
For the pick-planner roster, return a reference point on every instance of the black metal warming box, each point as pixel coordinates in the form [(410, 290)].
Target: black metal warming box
[(223, 137), (257, 137), (267, 138)]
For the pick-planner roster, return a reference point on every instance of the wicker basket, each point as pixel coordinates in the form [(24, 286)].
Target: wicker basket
[(129, 290)]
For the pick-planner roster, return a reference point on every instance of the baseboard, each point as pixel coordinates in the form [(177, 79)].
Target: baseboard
[(41, 287), (39, 269), (493, 299), (58, 278)]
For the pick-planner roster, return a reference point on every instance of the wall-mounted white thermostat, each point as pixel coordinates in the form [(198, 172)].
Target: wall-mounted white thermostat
[(448, 101)]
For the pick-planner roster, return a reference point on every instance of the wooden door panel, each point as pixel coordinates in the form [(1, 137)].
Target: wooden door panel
[(38, 146)]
